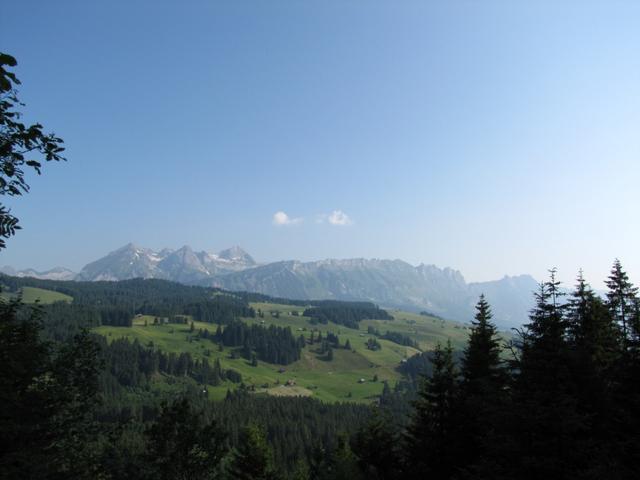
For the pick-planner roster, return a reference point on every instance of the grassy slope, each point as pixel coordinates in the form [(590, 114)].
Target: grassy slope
[(330, 381), (33, 295)]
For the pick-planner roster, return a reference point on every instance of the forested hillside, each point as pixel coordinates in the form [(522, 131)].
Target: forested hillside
[(329, 350), (560, 401)]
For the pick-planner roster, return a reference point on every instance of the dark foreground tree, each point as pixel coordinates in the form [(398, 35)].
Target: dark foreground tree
[(253, 457), (621, 300), (592, 332), (20, 146), (430, 442), (181, 446), (482, 395), (47, 395), (624, 306), (550, 429), (376, 447), (481, 368)]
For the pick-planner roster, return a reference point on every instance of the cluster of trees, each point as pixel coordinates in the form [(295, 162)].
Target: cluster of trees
[(46, 392), (271, 344), (133, 365), (242, 437), (418, 366), (373, 344), (395, 337), (161, 298), (327, 343), (566, 404), (82, 408), (400, 339), (348, 314), (64, 320)]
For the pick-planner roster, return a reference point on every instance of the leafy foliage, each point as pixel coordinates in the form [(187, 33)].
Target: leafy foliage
[(20, 146)]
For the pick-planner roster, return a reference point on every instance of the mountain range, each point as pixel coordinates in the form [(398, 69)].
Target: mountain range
[(390, 283)]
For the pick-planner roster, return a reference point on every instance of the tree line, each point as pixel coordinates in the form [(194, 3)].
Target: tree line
[(133, 364), (348, 314), (119, 302), (395, 337)]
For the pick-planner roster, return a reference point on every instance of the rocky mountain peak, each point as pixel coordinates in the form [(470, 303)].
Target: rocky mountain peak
[(237, 254)]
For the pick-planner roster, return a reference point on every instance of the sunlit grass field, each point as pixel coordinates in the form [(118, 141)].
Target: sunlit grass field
[(39, 295), (349, 376)]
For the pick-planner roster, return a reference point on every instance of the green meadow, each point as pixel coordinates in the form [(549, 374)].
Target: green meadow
[(356, 374), (38, 295)]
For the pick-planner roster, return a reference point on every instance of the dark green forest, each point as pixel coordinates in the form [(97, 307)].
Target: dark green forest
[(343, 313)]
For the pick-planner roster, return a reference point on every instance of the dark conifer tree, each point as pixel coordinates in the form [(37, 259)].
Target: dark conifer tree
[(253, 457), (48, 393), (343, 463), (430, 436), (376, 447), (181, 446), (482, 399), (329, 354), (623, 303), (621, 299), (481, 366), (549, 427), (591, 330), (595, 350)]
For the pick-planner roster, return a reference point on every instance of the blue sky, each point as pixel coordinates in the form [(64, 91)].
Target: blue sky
[(493, 137)]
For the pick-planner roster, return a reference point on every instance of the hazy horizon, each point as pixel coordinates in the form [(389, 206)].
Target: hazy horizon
[(567, 284), (496, 139)]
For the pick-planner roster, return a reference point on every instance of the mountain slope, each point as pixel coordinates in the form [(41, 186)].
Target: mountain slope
[(182, 265), (124, 263), (391, 283)]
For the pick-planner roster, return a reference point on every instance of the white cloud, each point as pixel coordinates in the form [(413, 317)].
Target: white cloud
[(281, 218), (339, 218)]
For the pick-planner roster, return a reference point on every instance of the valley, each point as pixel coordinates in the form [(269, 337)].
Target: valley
[(348, 376), (353, 373)]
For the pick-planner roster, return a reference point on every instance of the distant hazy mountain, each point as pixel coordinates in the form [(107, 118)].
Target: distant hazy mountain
[(182, 265), (390, 283), (511, 298), (57, 273)]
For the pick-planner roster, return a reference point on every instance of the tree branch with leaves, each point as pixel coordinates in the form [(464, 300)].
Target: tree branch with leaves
[(22, 147)]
